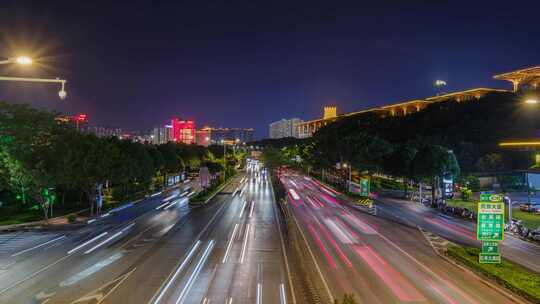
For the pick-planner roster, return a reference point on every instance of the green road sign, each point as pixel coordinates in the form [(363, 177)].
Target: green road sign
[(490, 197), (490, 224), (490, 247), (364, 187), (489, 258)]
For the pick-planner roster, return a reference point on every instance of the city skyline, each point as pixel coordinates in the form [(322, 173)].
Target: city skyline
[(223, 74)]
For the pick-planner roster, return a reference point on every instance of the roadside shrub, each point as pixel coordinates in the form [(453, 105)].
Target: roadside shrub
[(72, 218)]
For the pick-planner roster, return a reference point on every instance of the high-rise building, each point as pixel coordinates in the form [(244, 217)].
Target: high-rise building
[(284, 128), (183, 131)]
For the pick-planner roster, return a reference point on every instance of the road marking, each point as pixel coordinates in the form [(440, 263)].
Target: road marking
[(178, 270), (91, 221), (87, 242), (38, 246), (175, 202), (245, 244), (314, 260), (282, 296), (195, 272), (252, 207), (230, 244), (159, 207), (109, 239), (259, 293)]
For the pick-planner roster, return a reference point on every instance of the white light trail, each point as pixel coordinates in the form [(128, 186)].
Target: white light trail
[(230, 244), (178, 270), (243, 207), (196, 271), (109, 239), (251, 209), (282, 295), (38, 246), (87, 242), (242, 256), (259, 293)]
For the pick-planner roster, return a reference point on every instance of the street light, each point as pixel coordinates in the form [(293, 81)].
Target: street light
[(62, 93), (345, 165), (22, 60), (531, 101)]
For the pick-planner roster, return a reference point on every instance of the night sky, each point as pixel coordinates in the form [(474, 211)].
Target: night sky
[(135, 64)]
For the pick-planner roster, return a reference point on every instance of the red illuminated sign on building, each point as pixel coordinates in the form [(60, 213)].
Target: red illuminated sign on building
[(183, 131)]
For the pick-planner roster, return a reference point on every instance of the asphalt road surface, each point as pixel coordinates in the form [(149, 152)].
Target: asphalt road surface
[(376, 260), (457, 230)]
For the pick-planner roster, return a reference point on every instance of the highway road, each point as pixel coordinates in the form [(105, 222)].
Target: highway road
[(376, 260), (159, 251), (456, 230)]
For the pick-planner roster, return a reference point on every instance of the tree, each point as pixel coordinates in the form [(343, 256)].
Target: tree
[(433, 161)]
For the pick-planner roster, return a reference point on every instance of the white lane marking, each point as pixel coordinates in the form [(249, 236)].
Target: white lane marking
[(259, 293), (251, 210), (195, 272), (245, 244), (243, 207), (230, 244), (38, 246), (178, 270), (87, 242), (282, 296), (91, 221), (106, 214), (155, 194), (327, 289), (109, 239), (229, 301)]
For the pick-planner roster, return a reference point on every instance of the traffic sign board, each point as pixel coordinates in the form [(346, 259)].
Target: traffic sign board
[(490, 197), (489, 258), (490, 224), (490, 247), (364, 187)]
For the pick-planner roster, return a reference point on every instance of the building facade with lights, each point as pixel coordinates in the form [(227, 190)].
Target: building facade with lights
[(284, 128), (183, 131)]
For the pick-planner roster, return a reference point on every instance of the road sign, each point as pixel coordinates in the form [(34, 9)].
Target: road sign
[(490, 197), (489, 258), (364, 187), (490, 247), (490, 224)]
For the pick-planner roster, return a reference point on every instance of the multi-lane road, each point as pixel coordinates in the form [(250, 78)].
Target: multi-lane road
[(161, 250), (232, 250), (376, 260), (456, 230)]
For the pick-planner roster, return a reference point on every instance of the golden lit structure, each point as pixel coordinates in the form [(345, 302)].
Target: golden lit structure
[(329, 112), (534, 143), (522, 79)]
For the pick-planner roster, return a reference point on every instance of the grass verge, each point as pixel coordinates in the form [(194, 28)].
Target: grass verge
[(512, 276)]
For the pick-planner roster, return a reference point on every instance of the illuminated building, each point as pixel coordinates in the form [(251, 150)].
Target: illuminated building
[(284, 128), (528, 78), (183, 131), (217, 135), (202, 136)]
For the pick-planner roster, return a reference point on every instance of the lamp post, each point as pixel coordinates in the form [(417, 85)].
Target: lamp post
[(224, 160), (345, 165)]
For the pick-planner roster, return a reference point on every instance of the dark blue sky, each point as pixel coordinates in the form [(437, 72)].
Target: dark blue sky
[(245, 64)]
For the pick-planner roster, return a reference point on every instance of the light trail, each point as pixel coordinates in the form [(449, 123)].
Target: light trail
[(38, 246), (251, 209), (109, 239), (195, 272), (259, 293), (242, 256), (282, 295), (87, 242), (243, 207), (178, 270), (230, 244)]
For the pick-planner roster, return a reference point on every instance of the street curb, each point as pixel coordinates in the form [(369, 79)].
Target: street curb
[(36, 224), (487, 281)]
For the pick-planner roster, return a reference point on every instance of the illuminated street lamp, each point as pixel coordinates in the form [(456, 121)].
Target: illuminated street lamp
[(22, 60), (531, 101), (62, 93), (345, 165)]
